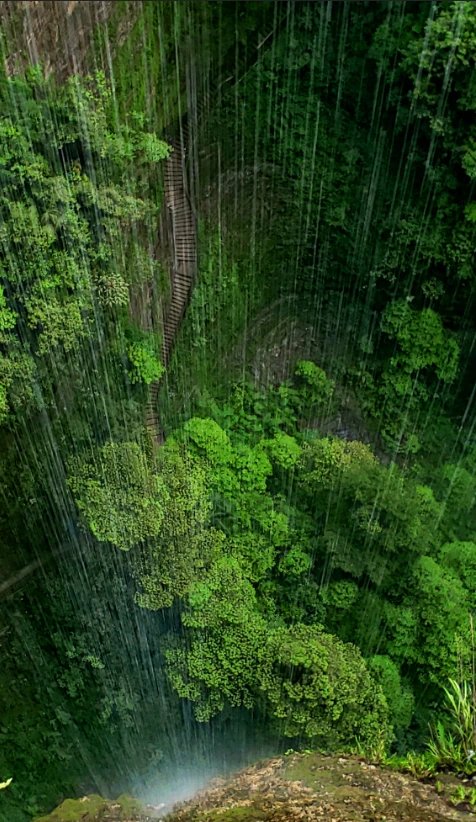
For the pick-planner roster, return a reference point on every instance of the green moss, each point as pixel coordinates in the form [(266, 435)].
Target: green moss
[(72, 810), (320, 772), (92, 808), (129, 806), (249, 813), (303, 769)]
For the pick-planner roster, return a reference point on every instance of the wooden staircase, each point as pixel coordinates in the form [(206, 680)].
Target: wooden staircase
[(181, 227)]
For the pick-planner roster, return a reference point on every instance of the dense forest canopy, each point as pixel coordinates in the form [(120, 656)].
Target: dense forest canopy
[(295, 549)]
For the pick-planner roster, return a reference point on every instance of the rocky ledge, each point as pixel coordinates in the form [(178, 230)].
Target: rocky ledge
[(300, 787)]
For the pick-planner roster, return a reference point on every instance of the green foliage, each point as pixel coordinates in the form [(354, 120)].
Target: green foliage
[(462, 794), (453, 745), (146, 367), (320, 687), (313, 684), (420, 765), (340, 595), (17, 371), (295, 562), (245, 534), (256, 567), (445, 751), (423, 350), (164, 510), (319, 388), (422, 341), (400, 699), (283, 450), (185, 543), (370, 512), (122, 501), (223, 538), (74, 201), (162, 506), (456, 485), (113, 290), (217, 291), (72, 810), (329, 460), (220, 665), (211, 441), (7, 316), (460, 558), (250, 411), (430, 628)]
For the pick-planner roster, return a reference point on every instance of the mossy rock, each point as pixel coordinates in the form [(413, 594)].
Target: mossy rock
[(86, 809), (94, 808), (249, 813), (129, 807)]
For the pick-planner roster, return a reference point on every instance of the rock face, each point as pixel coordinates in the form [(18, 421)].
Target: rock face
[(57, 32)]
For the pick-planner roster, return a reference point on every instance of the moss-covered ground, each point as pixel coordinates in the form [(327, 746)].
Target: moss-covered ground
[(313, 787), (94, 808)]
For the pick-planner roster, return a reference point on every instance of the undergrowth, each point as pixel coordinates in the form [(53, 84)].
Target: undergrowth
[(450, 747)]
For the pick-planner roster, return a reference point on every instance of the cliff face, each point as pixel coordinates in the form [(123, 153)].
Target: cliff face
[(57, 32)]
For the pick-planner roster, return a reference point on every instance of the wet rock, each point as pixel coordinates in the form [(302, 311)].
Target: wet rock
[(94, 808)]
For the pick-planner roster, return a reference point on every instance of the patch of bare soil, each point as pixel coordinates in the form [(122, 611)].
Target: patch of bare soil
[(316, 787)]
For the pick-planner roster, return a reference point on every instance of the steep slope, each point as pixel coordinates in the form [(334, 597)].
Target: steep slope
[(58, 34)]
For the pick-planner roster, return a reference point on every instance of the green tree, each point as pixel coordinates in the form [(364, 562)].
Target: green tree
[(121, 498), (74, 198), (320, 687), (312, 683)]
